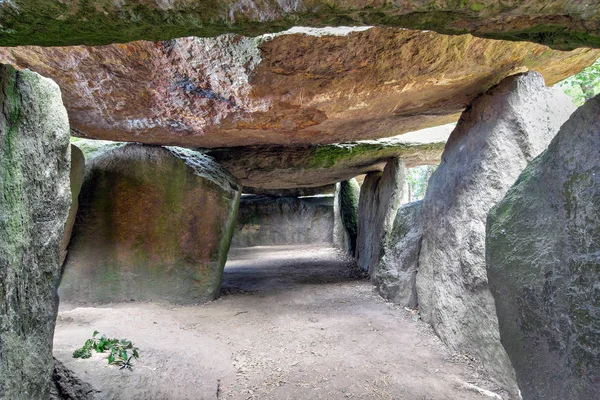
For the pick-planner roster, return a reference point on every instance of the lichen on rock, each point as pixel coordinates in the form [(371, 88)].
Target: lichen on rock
[(154, 224), (396, 274), (543, 242), (345, 208), (502, 131), (561, 23), (34, 203), (381, 195)]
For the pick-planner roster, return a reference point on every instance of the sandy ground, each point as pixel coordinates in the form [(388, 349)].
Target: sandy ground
[(292, 323)]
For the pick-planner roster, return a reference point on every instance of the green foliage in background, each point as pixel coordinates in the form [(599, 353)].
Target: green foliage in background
[(584, 85), (418, 178), (121, 351)]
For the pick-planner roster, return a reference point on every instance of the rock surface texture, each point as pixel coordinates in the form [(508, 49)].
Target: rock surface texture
[(543, 242), (67, 386), (76, 178), (562, 23), (268, 221), (280, 167), (34, 183), (296, 192), (380, 196), (154, 223), (345, 209), (494, 140), (286, 89), (396, 275)]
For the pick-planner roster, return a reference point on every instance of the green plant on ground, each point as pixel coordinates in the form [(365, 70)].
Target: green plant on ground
[(121, 351)]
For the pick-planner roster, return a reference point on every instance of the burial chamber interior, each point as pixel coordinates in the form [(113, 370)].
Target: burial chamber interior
[(155, 220)]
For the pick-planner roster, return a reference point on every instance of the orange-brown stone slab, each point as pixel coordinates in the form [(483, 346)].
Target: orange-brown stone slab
[(154, 223)]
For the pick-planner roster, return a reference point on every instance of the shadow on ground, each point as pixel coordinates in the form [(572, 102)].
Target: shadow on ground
[(272, 269)]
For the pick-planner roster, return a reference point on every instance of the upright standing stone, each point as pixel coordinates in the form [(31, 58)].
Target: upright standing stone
[(34, 204), (76, 178), (543, 263), (495, 138), (270, 221), (345, 209), (380, 196), (396, 275), (154, 223)]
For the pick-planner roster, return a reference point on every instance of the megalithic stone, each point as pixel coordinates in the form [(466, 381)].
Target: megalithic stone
[(34, 203), (543, 265), (504, 129)]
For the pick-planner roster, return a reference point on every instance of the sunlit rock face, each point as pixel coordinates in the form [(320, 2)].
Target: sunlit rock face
[(561, 23), (286, 89), (502, 131), (543, 242)]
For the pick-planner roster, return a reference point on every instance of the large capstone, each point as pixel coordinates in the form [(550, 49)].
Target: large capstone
[(267, 221), (154, 223), (494, 140), (279, 167), (293, 192), (34, 203), (543, 264), (380, 196), (561, 23), (396, 275), (345, 209), (302, 87)]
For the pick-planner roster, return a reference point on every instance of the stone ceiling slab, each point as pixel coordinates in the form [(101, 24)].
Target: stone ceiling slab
[(560, 23), (285, 89)]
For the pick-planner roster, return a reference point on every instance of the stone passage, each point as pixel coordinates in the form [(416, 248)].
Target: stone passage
[(380, 196), (495, 138), (154, 223), (266, 221), (34, 204), (543, 264)]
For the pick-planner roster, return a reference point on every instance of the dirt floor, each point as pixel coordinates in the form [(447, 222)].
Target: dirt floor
[(292, 323)]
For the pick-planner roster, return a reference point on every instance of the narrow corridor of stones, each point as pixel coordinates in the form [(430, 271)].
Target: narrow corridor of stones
[(146, 144), (292, 322)]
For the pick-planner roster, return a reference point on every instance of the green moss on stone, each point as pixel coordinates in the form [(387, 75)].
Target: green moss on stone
[(328, 156), (53, 23), (570, 187), (349, 196), (556, 36), (91, 148), (477, 7), (226, 243)]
